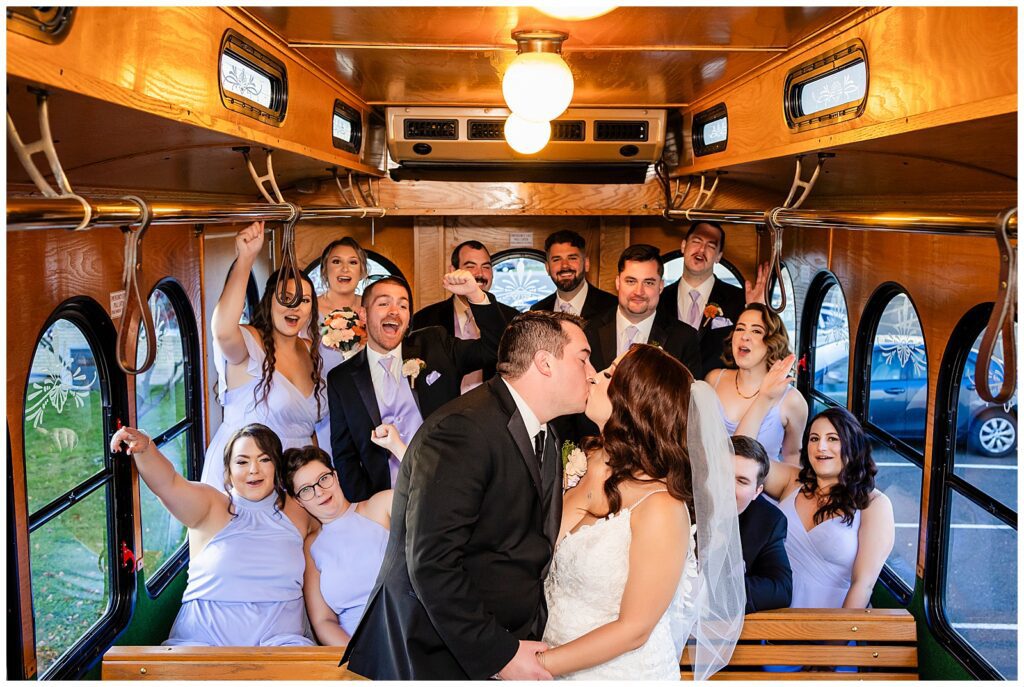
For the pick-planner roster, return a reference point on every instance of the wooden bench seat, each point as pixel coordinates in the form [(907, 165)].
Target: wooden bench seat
[(886, 645)]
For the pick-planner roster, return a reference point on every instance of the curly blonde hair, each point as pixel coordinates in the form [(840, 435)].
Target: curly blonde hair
[(775, 337)]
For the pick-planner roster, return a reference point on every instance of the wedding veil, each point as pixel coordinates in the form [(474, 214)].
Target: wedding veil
[(721, 592)]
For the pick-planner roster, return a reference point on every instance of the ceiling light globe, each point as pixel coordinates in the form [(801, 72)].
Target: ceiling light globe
[(526, 137), (575, 11), (537, 86)]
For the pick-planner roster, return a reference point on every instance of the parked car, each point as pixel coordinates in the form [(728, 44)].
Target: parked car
[(898, 398)]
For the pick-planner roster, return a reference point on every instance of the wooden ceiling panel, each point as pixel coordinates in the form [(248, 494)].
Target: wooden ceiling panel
[(634, 56)]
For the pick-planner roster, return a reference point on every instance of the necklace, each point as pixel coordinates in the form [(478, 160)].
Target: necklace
[(737, 380)]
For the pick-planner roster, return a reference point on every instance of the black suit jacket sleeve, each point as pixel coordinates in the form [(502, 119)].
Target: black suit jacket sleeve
[(352, 474), (769, 579), (475, 354), (448, 483)]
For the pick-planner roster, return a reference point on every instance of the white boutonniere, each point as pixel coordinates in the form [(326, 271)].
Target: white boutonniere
[(411, 368), (574, 465)]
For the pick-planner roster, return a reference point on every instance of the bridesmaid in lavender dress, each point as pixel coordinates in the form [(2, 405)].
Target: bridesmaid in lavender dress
[(344, 555), (759, 342), (245, 547), (266, 372), (841, 529)]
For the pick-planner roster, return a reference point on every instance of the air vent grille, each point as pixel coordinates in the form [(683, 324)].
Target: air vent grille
[(432, 129), (620, 131), (486, 130), (568, 131)]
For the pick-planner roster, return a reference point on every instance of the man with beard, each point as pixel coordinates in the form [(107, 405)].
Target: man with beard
[(567, 264), (400, 380), (454, 313), (702, 300)]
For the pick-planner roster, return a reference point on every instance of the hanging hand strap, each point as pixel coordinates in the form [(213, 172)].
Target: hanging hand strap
[(289, 270), (1001, 322), (130, 281)]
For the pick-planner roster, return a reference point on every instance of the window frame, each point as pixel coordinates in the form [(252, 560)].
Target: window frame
[(521, 252), (822, 65), (808, 326), (94, 324), (860, 392), (943, 483), (195, 453), (260, 60), (700, 120)]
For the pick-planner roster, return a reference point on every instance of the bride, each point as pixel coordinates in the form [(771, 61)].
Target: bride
[(625, 589)]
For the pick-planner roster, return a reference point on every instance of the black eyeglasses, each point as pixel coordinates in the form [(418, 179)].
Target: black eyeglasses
[(307, 492)]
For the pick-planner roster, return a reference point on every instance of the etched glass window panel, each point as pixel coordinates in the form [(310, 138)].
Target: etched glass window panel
[(64, 434), (160, 390), (898, 394), (846, 85), (716, 131), (70, 576), (242, 80), (342, 129), (986, 433), (520, 281), (831, 372), (980, 587), (900, 480)]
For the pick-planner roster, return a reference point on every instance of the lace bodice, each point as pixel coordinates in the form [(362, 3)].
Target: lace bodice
[(584, 591)]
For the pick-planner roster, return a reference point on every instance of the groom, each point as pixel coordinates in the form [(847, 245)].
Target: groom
[(476, 511)]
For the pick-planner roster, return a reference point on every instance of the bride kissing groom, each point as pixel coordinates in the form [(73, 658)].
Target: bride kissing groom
[(478, 513)]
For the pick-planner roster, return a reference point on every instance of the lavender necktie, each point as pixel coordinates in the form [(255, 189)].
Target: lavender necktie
[(631, 332), (694, 317), (566, 307)]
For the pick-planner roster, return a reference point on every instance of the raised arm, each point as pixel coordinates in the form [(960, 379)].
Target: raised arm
[(386, 436), (189, 502), (228, 311), (773, 387), (321, 616), (781, 479), (794, 417), (755, 293), (474, 354), (657, 553), (874, 543)]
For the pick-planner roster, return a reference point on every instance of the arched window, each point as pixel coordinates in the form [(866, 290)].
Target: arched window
[(892, 406), (78, 496), (789, 314), (520, 277), (826, 348), (673, 264), (166, 409), (971, 565), (377, 267)]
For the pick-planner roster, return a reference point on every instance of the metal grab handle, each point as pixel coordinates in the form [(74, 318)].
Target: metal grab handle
[(277, 198), (1000, 323), (775, 263), (130, 280), (289, 270)]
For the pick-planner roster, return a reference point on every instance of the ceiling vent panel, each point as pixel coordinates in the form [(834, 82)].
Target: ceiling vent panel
[(620, 131), (432, 129)]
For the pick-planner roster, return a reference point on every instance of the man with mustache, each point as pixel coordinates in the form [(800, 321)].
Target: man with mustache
[(400, 379), (567, 264), (454, 313)]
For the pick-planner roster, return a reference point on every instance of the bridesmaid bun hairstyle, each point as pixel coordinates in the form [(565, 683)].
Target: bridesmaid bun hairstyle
[(268, 442)]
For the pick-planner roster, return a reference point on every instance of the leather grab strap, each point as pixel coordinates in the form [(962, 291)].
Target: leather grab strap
[(134, 300), (1001, 322)]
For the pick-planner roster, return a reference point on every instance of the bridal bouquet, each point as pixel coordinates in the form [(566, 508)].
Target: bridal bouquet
[(343, 330), (574, 465)]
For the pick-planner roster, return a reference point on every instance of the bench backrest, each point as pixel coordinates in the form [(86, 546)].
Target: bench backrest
[(225, 663), (886, 645)]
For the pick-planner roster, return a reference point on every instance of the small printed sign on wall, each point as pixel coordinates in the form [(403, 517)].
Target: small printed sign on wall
[(520, 239), (117, 299)]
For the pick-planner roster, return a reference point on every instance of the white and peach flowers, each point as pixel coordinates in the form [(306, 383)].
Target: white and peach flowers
[(342, 330), (411, 368), (574, 465)]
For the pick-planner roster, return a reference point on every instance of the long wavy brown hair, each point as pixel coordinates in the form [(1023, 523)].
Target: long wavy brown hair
[(646, 431), (268, 442), (856, 480), (775, 337), (263, 322)]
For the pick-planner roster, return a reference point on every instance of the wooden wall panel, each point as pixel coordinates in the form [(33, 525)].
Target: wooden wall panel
[(44, 269), (430, 260), (928, 66)]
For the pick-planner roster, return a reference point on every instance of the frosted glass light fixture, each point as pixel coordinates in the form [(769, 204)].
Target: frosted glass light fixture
[(525, 136), (575, 11), (538, 85)]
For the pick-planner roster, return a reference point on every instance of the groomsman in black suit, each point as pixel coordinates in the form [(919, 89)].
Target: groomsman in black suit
[(702, 300), (634, 320), (399, 379), (476, 512), (454, 313), (769, 578), (567, 264)]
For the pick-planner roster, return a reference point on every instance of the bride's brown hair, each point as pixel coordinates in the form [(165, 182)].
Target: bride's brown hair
[(646, 431)]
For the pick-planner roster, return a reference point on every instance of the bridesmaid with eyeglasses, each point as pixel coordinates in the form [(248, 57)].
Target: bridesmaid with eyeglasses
[(344, 554)]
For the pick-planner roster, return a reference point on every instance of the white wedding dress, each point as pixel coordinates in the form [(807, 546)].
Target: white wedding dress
[(584, 590)]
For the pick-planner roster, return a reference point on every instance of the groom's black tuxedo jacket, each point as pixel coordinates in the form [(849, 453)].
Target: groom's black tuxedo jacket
[(362, 465), (712, 341), (769, 579), (473, 526)]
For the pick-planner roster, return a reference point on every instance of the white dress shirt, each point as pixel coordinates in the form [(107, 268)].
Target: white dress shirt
[(577, 301), (533, 425), (684, 302), (464, 330)]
